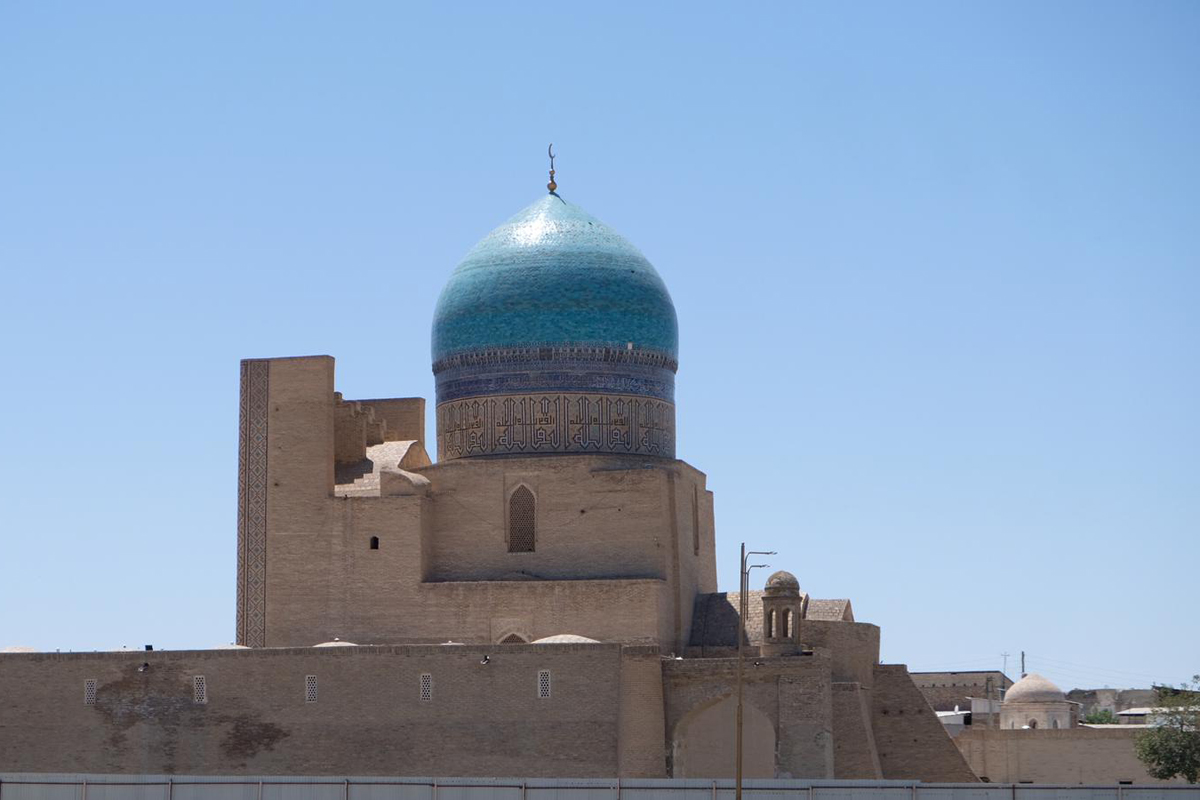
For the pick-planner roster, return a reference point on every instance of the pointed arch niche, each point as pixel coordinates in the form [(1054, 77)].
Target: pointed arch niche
[(521, 533), (703, 742)]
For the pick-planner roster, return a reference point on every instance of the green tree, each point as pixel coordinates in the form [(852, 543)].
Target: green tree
[(1172, 746), (1101, 716)]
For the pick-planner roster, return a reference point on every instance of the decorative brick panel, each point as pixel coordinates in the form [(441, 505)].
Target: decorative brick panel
[(252, 505)]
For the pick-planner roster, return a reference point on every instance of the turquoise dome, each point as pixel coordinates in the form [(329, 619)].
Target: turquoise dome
[(554, 275)]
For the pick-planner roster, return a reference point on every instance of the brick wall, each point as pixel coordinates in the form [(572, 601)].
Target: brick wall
[(945, 690), (368, 718), (1072, 756), (405, 417), (854, 753), (854, 647), (912, 744), (792, 693), (642, 753)]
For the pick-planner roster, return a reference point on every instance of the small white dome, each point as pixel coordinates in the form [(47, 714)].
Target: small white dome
[(1033, 688), (565, 638), (230, 646), (16, 648), (336, 643)]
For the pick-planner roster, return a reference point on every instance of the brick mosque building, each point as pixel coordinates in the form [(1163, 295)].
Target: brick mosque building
[(540, 601)]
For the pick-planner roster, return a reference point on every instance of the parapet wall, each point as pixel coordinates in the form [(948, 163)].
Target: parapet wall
[(945, 690), (1071, 756), (362, 712)]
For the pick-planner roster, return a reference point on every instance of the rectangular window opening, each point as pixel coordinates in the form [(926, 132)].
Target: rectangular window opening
[(696, 520), (426, 687), (310, 688), (89, 692), (199, 689), (543, 683)]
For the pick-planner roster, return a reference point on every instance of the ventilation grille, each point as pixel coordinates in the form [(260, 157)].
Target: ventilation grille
[(89, 692), (543, 683), (521, 521), (199, 689), (310, 688), (426, 687)]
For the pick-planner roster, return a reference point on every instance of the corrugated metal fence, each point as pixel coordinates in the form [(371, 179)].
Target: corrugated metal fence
[(178, 787)]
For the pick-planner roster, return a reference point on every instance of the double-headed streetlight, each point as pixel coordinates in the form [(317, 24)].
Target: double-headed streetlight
[(743, 606)]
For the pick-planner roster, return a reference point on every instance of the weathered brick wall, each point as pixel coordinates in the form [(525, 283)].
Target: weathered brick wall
[(912, 744), (793, 693), (405, 417), (368, 718), (597, 517), (1113, 700), (854, 753), (945, 690), (1072, 756), (642, 753), (694, 568), (854, 647)]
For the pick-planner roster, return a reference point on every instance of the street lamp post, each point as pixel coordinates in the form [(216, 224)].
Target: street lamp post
[(743, 607)]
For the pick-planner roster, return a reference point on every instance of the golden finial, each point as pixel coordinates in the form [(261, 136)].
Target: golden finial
[(551, 185)]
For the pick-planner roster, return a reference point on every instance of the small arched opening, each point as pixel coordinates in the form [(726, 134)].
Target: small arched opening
[(374, 542)]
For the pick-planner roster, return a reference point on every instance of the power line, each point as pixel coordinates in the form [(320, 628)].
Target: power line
[(1077, 668)]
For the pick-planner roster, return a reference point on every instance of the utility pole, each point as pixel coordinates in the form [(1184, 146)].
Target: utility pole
[(741, 635), (1005, 670), (743, 609)]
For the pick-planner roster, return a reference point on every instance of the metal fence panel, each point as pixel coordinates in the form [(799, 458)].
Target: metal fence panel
[(213, 791), (862, 793), (228, 787), (970, 791), (42, 791)]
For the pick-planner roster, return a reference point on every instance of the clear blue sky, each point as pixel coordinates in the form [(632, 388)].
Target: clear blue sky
[(935, 266)]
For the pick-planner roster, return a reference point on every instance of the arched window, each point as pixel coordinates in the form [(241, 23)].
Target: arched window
[(374, 542), (787, 623), (1033, 723), (521, 521), (771, 624), (1054, 723)]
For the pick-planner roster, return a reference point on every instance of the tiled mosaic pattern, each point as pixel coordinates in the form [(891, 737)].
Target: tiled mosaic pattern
[(599, 370), (555, 423), (553, 274), (252, 505)]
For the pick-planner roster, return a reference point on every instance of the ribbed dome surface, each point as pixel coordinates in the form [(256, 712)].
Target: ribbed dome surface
[(782, 582), (554, 274), (1033, 688)]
